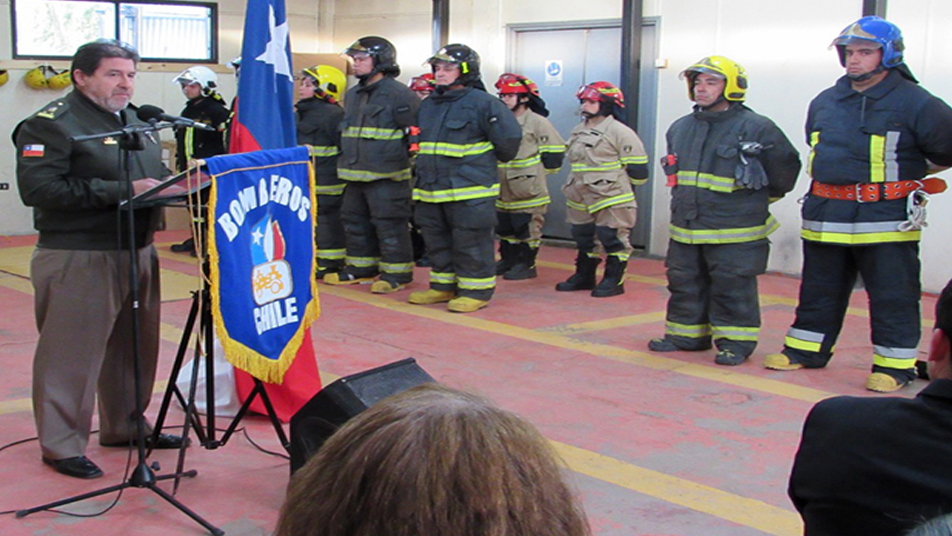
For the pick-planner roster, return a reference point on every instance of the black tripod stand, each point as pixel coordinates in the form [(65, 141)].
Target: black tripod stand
[(201, 313), (130, 139)]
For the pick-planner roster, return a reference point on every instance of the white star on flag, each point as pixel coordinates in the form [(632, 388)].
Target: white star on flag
[(275, 52)]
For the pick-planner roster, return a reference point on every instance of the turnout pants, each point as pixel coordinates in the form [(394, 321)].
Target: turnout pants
[(376, 218), (331, 246), (714, 295), (521, 227), (84, 315), (890, 273), (459, 243)]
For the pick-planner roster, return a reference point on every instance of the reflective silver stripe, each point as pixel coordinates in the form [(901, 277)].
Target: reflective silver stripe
[(896, 353), (851, 228), (446, 278), (723, 236), (373, 133), (521, 163), (805, 335), (891, 156)]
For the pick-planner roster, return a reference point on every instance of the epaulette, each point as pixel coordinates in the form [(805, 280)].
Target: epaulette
[(54, 110)]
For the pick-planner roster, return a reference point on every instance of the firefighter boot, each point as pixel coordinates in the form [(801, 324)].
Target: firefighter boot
[(613, 283), (584, 276), (507, 257), (525, 268), (431, 296)]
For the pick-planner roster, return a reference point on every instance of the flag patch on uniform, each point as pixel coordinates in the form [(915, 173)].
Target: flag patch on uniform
[(33, 150)]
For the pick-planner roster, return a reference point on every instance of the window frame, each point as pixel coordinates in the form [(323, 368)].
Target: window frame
[(213, 15)]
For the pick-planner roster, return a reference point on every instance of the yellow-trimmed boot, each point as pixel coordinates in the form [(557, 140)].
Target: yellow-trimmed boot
[(466, 305), (780, 362), (427, 297), (881, 382), (382, 286)]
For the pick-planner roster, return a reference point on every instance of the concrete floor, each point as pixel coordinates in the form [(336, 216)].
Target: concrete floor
[(657, 444)]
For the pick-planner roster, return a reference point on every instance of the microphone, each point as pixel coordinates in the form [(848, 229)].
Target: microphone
[(151, 114)]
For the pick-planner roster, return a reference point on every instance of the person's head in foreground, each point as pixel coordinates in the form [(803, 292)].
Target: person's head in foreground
[(433, 461)]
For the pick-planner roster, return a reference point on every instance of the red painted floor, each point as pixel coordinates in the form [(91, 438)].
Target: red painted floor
[(657, 444)]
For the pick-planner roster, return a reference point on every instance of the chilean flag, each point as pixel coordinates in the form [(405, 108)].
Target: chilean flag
[(264, 119)]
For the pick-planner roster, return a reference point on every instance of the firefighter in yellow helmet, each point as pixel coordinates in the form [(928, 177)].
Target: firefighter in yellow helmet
[(725, 164), (608, 160), (319, 114)]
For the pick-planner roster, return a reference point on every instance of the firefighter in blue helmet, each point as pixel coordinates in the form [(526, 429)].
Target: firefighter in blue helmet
[(874, 136), (726, 165), (464, 131)]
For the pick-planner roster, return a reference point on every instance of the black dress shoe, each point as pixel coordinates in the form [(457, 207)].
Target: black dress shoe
[(77, 467), (165, 441)]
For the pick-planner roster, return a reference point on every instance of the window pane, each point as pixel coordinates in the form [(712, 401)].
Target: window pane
[(58, 28), (167, 31)]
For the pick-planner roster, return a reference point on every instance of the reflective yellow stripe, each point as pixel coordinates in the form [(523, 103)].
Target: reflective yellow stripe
[(519, 205), (575, 206), (396, 267), (324, 150), (610, 202), (814, 140), (333, 189), (807, 341), (521, 163), (373, 133), (736, 333), (444, 278), (455, 194), (455, 150), (877, 158), (551, 148), (581, 167), (363, 262), (707, 181), (470, 283), (637, 182), (331, 254), (695, 331), (724, 236), (359, 175), (189, 144), (620, 255), (630, 160), (857, 233), (894, 362)]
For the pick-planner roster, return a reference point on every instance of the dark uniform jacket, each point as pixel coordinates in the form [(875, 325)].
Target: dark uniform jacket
[(707, 196), (318, 125), (885, 133), (875, 466), (75, 187), (373, 132), (193, 143), (463, 132)]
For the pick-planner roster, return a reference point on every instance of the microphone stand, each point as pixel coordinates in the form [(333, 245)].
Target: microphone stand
[(130, 139)]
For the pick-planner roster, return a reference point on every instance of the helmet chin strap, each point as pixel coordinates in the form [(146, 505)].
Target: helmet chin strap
[(866, 76)]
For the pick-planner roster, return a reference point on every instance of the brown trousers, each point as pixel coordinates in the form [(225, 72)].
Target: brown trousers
[(84, 314)]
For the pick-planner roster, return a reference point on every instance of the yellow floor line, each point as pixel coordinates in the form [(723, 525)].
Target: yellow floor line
[(610, 323), (634, 357), (741, 510)]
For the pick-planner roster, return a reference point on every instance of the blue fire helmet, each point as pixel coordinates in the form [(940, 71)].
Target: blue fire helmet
[(876, 30)]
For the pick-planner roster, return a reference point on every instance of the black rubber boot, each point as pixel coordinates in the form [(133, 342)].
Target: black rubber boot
[(613, 283), (507, 254), (584, 276), (525, 267)]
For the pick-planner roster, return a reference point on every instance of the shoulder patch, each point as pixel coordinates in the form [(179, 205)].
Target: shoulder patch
[(53, 110)]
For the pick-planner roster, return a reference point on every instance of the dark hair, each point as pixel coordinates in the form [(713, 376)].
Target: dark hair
[(943, 310), (88, 57), (433, 461)]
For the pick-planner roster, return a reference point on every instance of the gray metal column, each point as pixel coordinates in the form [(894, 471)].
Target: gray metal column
[(874, 7), (631, 21), (441, 23)]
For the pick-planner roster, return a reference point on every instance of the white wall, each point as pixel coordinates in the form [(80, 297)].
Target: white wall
[(783, 45)]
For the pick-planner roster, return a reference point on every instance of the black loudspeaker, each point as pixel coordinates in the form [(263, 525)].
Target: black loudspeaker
[(333, 405)]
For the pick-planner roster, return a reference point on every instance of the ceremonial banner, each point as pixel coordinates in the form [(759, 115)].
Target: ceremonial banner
[(262, 257)]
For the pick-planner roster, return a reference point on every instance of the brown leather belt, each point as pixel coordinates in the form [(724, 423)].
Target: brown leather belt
[(870, 192)]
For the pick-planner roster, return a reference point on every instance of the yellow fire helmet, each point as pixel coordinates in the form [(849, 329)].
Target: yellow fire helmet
[(330, 81), (36, 77), (4, 77), (60, 80), (735, 88)]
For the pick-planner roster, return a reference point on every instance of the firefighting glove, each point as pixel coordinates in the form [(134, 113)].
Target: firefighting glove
[(750, 173)]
